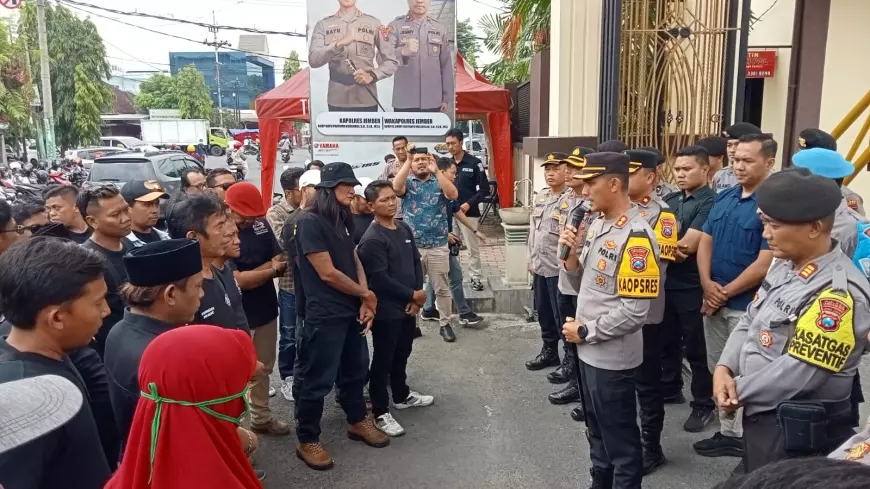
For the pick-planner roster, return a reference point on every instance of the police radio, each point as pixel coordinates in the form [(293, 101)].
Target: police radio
[(576, 218)]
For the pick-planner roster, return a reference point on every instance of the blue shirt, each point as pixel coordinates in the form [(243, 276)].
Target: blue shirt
[(736, 230), (425, 209)]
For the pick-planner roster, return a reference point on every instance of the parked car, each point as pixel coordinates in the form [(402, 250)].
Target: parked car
[(127, 142), (88, 155), (165, 167)]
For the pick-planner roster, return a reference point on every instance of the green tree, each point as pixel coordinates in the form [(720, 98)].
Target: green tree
[(466, 42), (194, 100), (516, 35), (78, 70), (16, 90), (157, 92), (292, 65), (256, 86)]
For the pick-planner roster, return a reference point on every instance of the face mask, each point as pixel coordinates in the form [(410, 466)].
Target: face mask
[(204, 406)]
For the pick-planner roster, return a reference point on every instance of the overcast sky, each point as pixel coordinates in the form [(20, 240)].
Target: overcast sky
[(134, 49)]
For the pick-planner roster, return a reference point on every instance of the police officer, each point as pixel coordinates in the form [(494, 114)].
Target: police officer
[(349, 41), (724, 178), (547, 221), (817, 138), (641, 188), (663, 187), (620, 276), (791, 360), (856, 449), (570, 203), (612, 146), (717, 148), (424, 80)]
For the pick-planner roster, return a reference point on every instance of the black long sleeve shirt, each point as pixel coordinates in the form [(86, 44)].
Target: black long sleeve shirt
[(472, 183), (392, 263)]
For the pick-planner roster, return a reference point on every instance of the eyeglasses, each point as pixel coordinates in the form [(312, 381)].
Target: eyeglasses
[(20, 229), (224, 186)]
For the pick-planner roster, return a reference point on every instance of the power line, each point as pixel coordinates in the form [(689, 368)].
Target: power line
[(130, 55), (180, 21)]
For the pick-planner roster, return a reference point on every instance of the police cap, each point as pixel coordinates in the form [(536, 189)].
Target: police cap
[(816, 138), (601, 163), (823, 162), (555, 159), (163, 262), (736, 131), (640, 158), (577, 158), (715, 145), (612, 146), (796, 196), (659, 154)]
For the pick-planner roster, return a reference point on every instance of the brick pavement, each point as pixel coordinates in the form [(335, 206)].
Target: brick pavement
[(491, 253)]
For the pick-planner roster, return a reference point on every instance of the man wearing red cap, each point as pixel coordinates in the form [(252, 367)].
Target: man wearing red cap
[(260, 262)]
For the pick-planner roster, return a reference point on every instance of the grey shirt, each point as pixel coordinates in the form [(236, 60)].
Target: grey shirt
[(547, 221), (569, 283), (846, 228), (723, 180), (853, 200), (617, 255), (424, 80), (856, 449), (800, 337)]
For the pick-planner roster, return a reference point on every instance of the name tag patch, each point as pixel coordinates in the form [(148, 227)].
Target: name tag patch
[(824, 335)]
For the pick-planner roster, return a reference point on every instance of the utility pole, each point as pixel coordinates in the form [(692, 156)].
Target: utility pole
[(217, 65), (47, 105)]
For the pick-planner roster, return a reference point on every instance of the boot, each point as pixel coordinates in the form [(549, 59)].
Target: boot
[(601, 479), (548, 357), (314, 456), (366, 432), (571, 393), (653, 457), (578, 414), (562, 374)]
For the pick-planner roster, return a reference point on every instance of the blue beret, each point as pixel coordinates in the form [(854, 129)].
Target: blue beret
[(823, 162)]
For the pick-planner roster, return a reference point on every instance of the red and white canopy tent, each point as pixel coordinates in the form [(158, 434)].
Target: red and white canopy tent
[(476, 98)]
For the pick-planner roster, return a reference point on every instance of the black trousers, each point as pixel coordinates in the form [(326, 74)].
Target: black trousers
[(567, 309), (547, 304), (392, 340), (611, 417), (648, 385), (329, 352), (333, 108), (763, 439), (93, 373), (682, 333)]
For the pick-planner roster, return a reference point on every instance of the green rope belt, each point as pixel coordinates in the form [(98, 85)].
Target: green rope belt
[(204, 406)]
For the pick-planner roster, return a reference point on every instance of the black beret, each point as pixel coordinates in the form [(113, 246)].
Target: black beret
[(163, 262), (555, 159), (736, 131), (816, 138), (604, 163), (715, 145), (796, 196), (659, 154), (612, 146), (640, 158), (577, 158)]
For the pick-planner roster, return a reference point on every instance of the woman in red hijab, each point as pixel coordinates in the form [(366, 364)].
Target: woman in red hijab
[(184, 434)]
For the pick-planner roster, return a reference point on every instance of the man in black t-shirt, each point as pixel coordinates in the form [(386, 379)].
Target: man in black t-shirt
[(61, 204), (361, 210), (53, 293), (339, 309), (108, 214), (144, 199), (260, 261)]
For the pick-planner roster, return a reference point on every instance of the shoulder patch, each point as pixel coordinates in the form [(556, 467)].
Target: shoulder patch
[(666, 234), (808, 271), (621, 221), (824, 335), (385, 32), (638, 272), (858, 452)]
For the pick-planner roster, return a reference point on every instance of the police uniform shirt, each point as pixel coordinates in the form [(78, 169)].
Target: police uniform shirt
[(620, 275), (69, 457), (569, 283), (845, 229), (802, 336), (124, 348), (723, 180), (368, 44), (663, 189), (547, 222), (853, 200), (659, 216), (424, 80), (856, 449)]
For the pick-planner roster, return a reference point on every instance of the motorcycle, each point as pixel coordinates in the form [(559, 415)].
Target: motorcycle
[(238, 171), (285, 155)]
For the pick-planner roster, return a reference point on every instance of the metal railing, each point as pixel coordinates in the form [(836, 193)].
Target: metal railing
[(844, 126)]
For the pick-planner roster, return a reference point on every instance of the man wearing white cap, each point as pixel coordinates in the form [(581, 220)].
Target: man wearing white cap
[(362, 211)]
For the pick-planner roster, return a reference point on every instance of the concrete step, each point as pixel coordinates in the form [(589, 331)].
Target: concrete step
[(481, 301)]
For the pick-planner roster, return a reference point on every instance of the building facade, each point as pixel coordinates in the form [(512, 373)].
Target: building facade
[(243, 76)]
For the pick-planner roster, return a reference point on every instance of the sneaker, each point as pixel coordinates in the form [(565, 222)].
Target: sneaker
[(261, 474), (314, 456), (272, 391), (447, 333), (698, 419), (430, 315), (415, 399), (388, 424), (469, 319), (366, 432), (274, 427), (287, 389), (476, 284), (720, 445)]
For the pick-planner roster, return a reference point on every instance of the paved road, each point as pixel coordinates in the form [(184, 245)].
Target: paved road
[(490, 427), (298, 159)]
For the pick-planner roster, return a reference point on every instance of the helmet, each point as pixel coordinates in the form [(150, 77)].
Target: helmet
[(237, 144), (191, 149)]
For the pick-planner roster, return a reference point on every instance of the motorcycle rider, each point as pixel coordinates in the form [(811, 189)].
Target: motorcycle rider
[(239, 160)]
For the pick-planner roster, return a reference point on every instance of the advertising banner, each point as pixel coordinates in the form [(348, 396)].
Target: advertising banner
[(379, 69)]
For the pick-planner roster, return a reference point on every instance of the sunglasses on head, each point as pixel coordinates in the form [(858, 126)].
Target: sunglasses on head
[(20, 229)]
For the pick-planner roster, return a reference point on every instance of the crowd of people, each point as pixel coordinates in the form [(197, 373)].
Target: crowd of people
[(140, 329)]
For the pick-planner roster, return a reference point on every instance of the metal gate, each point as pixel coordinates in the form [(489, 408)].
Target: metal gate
[(673, 71)]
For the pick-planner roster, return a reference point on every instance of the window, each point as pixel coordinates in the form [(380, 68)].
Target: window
[(121, 171), (191, 163), (218, 133), (171, 167)]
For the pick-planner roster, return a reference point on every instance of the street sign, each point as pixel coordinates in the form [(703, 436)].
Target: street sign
[(11, 3)]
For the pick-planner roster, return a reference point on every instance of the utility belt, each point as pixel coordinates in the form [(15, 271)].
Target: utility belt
[(341, 78), (810, 427)]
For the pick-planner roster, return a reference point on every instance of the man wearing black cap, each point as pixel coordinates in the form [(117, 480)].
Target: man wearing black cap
[(724, 178), (663, 188), (163, 292), (144, 198), (717, 148), (547, 222), (620, 277), (612, 146), (339, 310), (791, 360), (641, 186), (817, 138)]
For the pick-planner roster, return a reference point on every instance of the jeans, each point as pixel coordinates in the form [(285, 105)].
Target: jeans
[(456, 289), (287, 333), (392, 341)]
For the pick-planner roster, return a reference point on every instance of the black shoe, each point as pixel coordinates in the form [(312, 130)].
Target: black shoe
[(563, 374), (447, 333), (740, 469), (417, 332), (601, 479), (653, 458), (547, 358), (430, 315), (720, 445), (261, 474), (698, 419), (469, 319), (578, 414), (677, 399), (476, 284), (565, 396)]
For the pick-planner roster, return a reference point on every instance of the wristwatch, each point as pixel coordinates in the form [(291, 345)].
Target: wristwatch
[(582, 332)]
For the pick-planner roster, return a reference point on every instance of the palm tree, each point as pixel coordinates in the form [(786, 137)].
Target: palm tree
[(517, 34)]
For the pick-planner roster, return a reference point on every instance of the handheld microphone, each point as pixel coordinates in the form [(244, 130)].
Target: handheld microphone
[(576, 219)]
